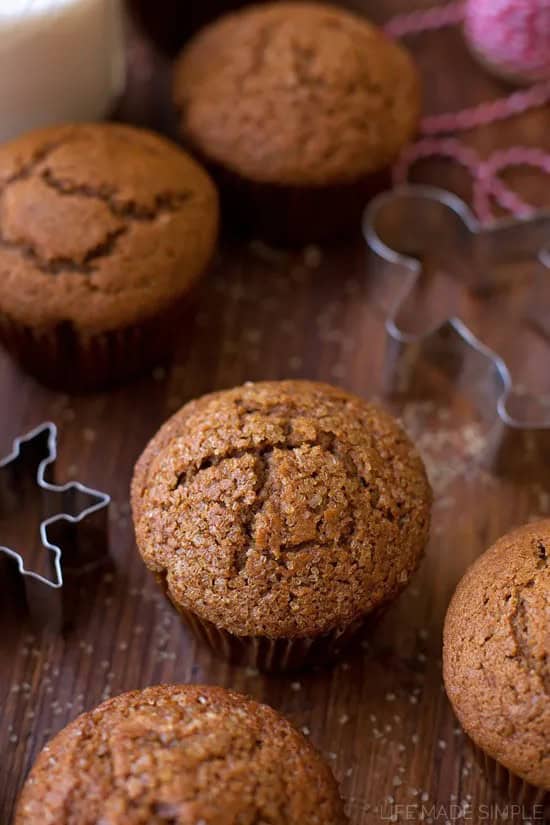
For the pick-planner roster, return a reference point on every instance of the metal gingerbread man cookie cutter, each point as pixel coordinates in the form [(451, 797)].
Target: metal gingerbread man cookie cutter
[(72, 538), (406, 226)]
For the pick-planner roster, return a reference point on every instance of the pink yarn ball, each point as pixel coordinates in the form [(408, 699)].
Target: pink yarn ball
[(511, 36)]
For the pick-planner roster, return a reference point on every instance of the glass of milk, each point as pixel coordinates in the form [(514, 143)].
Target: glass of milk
[(60, 61)]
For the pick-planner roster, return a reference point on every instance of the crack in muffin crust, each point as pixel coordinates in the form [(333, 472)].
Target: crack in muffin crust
[(55, 266), (27, 169), (263, 456), (165, 201), (124, 220), (520, 622)]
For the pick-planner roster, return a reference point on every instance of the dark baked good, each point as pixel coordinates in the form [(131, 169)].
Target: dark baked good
[(300, 109), (180, 755), (497, 654), (280, 514), (104, 230)]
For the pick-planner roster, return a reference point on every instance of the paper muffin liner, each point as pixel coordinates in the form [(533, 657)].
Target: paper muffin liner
[(270, 655), (65, 358), (274, 655), (513, 787), (294, 215)]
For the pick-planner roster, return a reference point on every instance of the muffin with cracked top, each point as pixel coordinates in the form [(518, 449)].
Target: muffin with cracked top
[(104, 231), (300, 109), (496, 660), (183, 755), (279, 516)]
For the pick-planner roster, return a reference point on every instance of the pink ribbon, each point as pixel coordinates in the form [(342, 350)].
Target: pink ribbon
[(488, 186)]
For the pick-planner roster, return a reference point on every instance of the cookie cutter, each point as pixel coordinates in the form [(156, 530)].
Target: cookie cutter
[(403, 228), (73, 529)]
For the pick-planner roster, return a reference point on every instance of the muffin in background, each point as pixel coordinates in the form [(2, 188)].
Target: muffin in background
[(169, 23), (105, 231), (280, 518), (496, 660), (184, 755), (300, 110)]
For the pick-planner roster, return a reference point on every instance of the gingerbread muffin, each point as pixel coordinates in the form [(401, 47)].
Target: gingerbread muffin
[(300, 109), (279, 516), (104, 231), (183, 755), (497, 659)]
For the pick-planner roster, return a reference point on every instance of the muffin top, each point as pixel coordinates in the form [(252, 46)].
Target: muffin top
[(297, 94), (180, 755), (497, 652), (100, 225), (281, 509)]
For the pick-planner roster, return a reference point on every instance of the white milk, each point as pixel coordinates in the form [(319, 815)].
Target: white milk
[(60, 61)]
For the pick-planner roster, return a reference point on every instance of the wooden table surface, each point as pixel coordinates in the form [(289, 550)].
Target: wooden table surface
[(380, 715)]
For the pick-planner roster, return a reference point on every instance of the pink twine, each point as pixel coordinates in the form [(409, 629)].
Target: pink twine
[(487, 183), (420, 21), (454, 150), (444, 147), (492, 184), (490, 112)]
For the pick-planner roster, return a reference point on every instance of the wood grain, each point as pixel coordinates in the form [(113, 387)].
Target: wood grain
[(380, 715)]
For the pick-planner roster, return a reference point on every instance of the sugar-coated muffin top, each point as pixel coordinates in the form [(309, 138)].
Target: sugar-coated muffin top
[(281, 509), (297, 94), (180, 755), (497, 652), (100, 225)]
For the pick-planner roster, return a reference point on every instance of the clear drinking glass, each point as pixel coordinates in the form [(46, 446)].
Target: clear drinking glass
[(60, 61)]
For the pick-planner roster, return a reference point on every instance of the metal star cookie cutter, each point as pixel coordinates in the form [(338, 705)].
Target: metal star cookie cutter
[(73, 535), (415, 229)]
